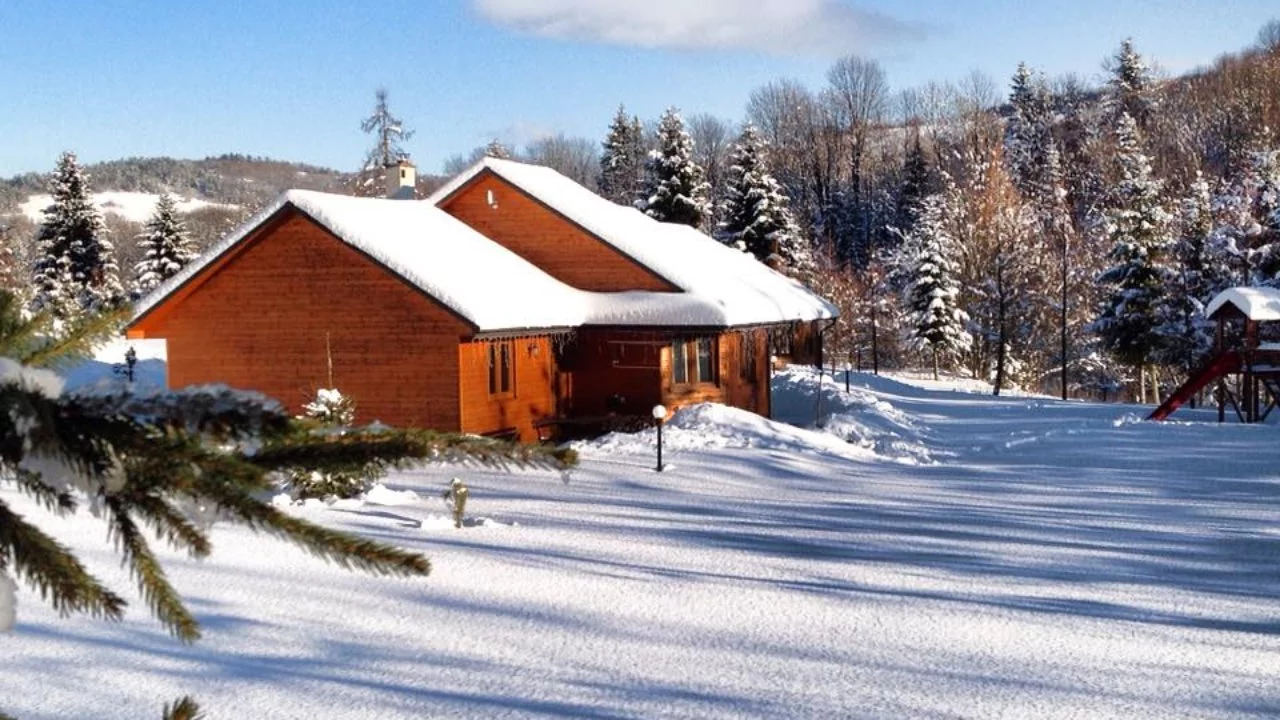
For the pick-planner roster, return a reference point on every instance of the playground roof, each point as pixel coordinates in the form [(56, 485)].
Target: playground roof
[(1255, 303)]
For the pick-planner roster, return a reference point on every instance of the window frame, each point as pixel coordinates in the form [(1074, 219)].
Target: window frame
[(679, 366), (687, 361), (711, 357), (501, 364)]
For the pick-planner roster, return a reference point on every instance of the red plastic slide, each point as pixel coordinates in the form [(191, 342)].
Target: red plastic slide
[(1224, 364)]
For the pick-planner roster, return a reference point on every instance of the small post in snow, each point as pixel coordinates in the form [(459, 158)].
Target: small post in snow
[(129, 369), (659, 415), (817, 411), (456, 498)]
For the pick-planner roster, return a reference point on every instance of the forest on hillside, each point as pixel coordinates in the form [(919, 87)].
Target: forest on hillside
[(1054, 233)]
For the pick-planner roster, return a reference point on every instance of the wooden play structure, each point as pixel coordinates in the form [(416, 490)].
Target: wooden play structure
[(1245, 368)]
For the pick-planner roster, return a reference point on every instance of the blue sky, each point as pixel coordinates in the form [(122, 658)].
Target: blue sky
[(292, 80)]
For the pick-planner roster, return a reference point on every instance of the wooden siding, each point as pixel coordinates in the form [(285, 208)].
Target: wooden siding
[(806, 344), (532, 398), (548, 240), (259, 321)]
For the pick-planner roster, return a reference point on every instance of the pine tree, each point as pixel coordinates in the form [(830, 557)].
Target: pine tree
[(334, 413), (935, 321), (1131, 88), (495, 149), (164, 245), (74, 270), (914, 187), (1031, 151), (1199, 272), (676, 190), (388, 148), (1138, 227), (388, 130), (623, 160), (1249, 209), (1023, 128), (756, 214), (1035, 168), (152, 463), (10, 274)]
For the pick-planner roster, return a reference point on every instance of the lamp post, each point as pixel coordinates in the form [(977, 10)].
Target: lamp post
[(659, 414)]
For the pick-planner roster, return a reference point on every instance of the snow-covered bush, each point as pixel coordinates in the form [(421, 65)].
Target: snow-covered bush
[(332, 412)]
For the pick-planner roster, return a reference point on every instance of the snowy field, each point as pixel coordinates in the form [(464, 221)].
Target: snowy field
[(932, 554)]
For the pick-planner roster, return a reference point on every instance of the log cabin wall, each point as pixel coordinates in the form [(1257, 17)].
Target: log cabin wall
[(260, 323), (492, 405), (805, 345), (546, 239)]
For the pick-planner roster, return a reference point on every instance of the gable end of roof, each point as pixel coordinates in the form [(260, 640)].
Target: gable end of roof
[(482, 171)]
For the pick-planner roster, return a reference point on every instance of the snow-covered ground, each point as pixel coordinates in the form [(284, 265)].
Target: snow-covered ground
[(135, 206), (960, 556)]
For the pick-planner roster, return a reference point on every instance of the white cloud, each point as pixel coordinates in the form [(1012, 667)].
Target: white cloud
[(786, 27)]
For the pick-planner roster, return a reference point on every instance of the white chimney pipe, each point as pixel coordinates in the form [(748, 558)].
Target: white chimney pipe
[(402, 180)]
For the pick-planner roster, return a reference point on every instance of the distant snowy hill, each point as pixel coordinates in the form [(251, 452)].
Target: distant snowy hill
[(233, 180), (133, 206)]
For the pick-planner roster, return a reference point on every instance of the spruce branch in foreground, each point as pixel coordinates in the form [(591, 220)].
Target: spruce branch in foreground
[(143, 458)]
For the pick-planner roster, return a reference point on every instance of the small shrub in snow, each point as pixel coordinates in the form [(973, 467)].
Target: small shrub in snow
[(333, 412)]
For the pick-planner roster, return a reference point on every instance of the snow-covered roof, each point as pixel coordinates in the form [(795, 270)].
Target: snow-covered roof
[(748, 291), (461, 268), (1256, 303), (426, 247)]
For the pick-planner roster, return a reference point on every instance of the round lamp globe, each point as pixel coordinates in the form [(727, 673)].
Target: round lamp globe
[(659, 412)]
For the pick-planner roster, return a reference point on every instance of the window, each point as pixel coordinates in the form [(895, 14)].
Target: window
[(706, 360), (679, 363), (694, 361), (501, 368)]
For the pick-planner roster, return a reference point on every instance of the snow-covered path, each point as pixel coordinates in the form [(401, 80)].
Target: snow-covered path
[(964, 557)]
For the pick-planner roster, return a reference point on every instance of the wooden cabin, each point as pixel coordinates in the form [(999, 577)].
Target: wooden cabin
[(513, 302)]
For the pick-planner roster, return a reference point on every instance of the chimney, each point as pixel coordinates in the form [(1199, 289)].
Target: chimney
[(402, 180)]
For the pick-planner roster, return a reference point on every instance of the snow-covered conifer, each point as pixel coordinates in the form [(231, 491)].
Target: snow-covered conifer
[(1138, 226), (914, 188), (756, 214), (333, 412), (389, 132), (675, 189), (74, 270), (1035, 167), (1246, 211), (1131, 88), (1199, 270), (495, 149), (164, 245), (150, 462), (622, 162), (9, 271), (935, 321), (1031, 151), (1253, 217), (388, 148)]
